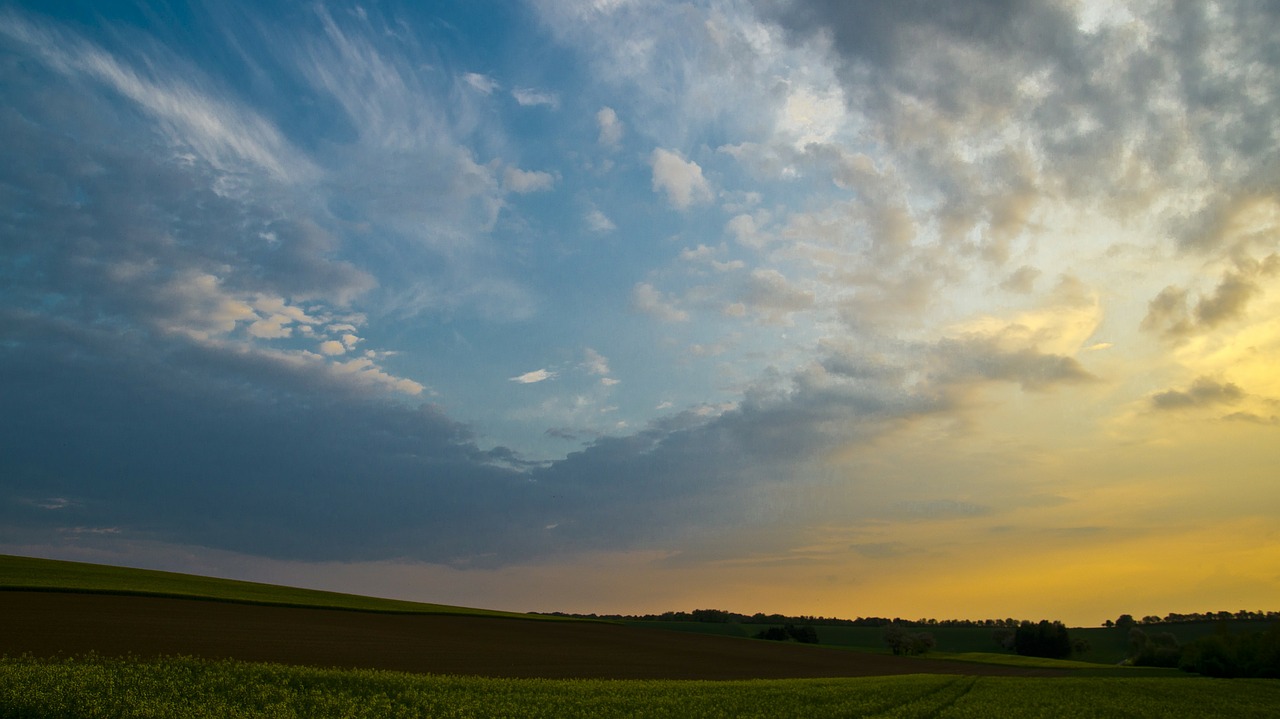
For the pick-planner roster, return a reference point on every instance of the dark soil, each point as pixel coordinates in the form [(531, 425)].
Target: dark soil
[(52, 623)]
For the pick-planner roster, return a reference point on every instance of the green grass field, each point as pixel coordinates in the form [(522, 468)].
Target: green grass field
[(183, 687), (54, 575)]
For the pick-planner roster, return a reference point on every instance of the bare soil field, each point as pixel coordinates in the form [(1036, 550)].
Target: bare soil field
[(50, 623)]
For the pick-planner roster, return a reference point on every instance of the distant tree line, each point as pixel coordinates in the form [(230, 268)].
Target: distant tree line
[(724, 617), (1244, 615)]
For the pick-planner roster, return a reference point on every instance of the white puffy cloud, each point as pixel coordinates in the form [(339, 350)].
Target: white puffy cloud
[(680, 179), (597, 221), (647, 299), (526, 181), (610, 127)]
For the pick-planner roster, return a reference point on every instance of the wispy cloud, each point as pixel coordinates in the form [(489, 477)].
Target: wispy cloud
[(531, 98), (535, 376)]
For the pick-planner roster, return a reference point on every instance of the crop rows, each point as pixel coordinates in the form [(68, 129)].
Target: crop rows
[(185, 687)]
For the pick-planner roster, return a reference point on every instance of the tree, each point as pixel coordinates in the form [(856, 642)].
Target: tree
[(776, 634), (1156, 650), (805, 634), (1045, 639), (1125, 622), (901, 641), (1004, 637), (1226, 654)]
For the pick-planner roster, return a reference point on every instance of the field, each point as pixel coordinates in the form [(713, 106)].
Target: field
[(201, 688), (87, 641)]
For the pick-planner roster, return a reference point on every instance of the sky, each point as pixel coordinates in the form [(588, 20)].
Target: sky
[(958, 310)]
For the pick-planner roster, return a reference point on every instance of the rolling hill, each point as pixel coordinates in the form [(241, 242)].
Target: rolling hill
[(49, 608)]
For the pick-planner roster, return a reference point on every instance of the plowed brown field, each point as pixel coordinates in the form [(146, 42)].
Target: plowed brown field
[(48, 623)]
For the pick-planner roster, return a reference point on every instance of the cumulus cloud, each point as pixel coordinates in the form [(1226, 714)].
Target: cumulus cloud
[(647, 299), (597, 221), (332, 347), (597, 364), (773, 296), (679, 179), (610, 127), (526, 181)]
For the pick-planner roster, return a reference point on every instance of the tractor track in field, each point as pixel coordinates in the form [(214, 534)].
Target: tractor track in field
[(51, 623)]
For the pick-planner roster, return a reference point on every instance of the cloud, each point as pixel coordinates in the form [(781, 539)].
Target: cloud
[(597, 221), (1203, 392), (527, 97), (772, 295), (1227, 302), (538, 375), (481, 83), (705, 255), (332, 347), (985, 359), (1170, 315), (648, 300), (681, 180), (1021, 280), (596, 363), (223, 134), (523, 181), (610, 127)]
